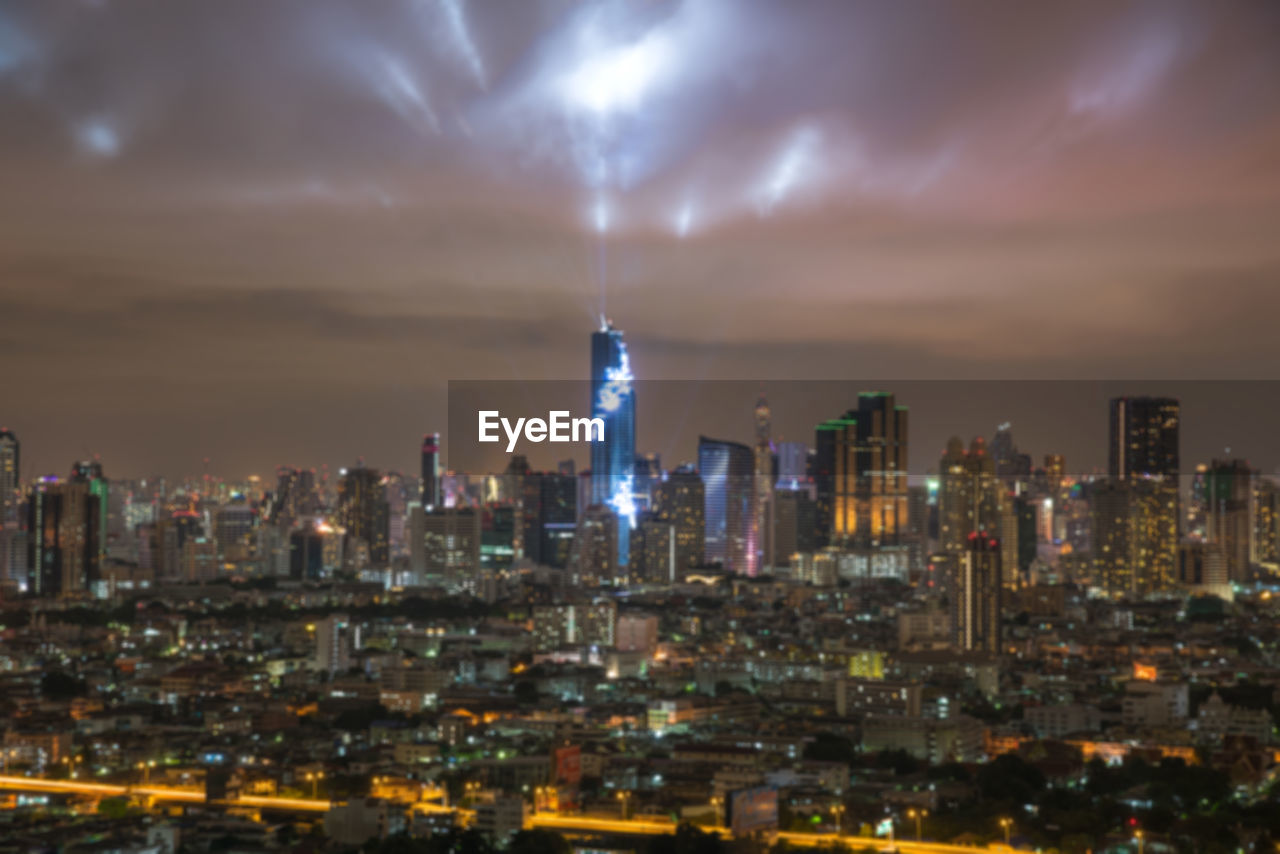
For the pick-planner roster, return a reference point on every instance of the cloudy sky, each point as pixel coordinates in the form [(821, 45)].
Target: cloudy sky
[(272, 232)]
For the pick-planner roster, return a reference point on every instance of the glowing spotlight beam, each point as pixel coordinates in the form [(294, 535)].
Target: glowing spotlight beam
[(790, 170), (616, 79), (463, 44)]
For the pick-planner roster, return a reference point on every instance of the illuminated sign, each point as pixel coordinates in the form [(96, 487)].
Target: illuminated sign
[(752, 810)]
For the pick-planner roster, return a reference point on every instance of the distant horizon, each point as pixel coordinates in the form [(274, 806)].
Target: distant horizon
[(1242, 405)]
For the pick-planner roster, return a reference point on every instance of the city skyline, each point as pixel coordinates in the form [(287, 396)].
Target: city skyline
[(189, 265)]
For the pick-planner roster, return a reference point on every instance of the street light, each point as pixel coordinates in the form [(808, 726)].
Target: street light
[(1007, 824), (918, 815), (838, 811), (1138, 834), (314, 780), (623, 798), (716, 802)]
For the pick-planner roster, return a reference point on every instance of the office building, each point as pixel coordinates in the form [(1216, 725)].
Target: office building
[(1228, 514), (10, 472), (1266, 521), (594, 557), (306, 554), (451, 543), (1144, 454), (429, 494), (65, 522), (727, 470), (680, 499), (795, 524), (976, 596), (365, 514), (861, 474), (762, 527), (613, 459), (549, 513)]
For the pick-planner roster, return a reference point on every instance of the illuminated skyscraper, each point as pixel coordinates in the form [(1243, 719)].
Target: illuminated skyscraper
[(728, 475), (681, 501), (306, 553), (594, 556), (793, 465), (549, 508), (1266, 521), (90, 472), (66, 546), (762, 528), (1144, 455), (9, 474), (431, 470), (975, 596), (613, 459), (1144, 436), (1229, 502), (861, 474), (363, 511), (451, 543), (11, 561)]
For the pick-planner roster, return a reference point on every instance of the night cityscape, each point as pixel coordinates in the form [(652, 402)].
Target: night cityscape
[(694, 426)]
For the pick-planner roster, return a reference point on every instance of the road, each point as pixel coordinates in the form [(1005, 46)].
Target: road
[(904, 845), (551, 821), (160, 793)]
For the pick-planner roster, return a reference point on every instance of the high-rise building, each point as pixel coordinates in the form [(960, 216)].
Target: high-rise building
[(1011, 465), (1144, 437), (653, 551), (796, 524), (364, 512), (727, 470), (793, 465), (1266, 521), (648, 472), (680, 499), (430, 492), (594, 557), (1144, 454), (295, 496), (11, 563), (549, 508), (498, 535), (613, 458), (10, 471), (90, 472), (762, 527), (970, 496), (976, 596), (1229, 520), (1055, 470), (65, 547), (306, 554), (336, 639), (1203, 566), (1131, 520), (861, 474), (451, 543), (233, 530)]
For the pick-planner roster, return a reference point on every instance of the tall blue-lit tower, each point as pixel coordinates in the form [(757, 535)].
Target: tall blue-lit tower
[(613, 460)]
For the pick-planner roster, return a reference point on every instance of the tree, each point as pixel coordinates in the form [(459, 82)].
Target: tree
[(830, 747), (690, 840), (526, 692), (1009, 777), (59, 685), (539, 841)]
